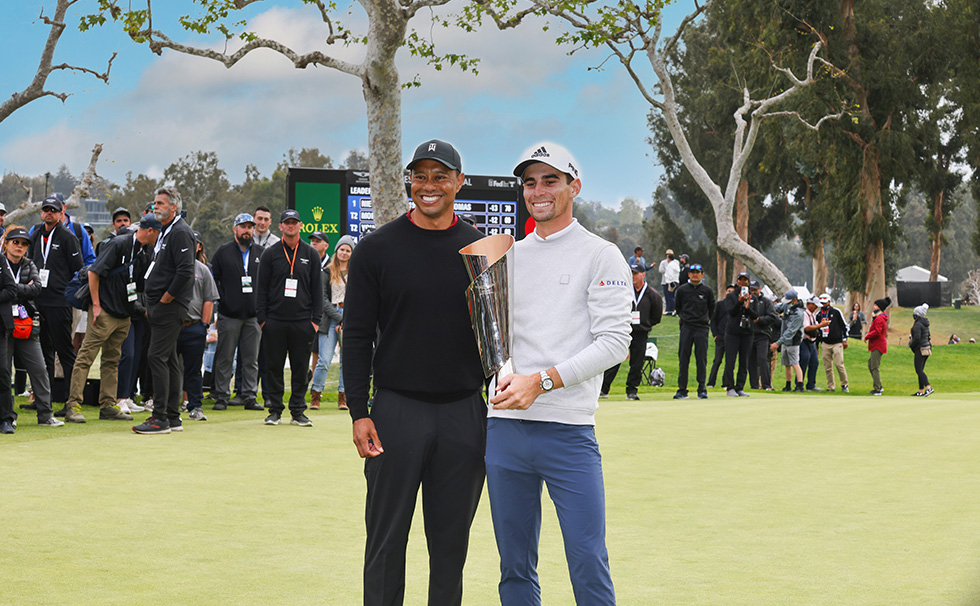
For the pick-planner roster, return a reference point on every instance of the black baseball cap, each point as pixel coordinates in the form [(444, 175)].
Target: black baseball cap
[(754, 284), (122, 210), (150, 222), (319, 235), (288, 214), (638, 269), (742, 275), (55, 201), (18, 233), (440, 151), (696, 267)]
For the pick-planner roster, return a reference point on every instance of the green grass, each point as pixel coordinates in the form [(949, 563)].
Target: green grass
[(774, 499)]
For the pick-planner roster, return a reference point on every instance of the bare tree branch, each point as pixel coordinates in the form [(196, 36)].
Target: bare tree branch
[(159, 41), (795, 114), (82, 190), (35, 90)]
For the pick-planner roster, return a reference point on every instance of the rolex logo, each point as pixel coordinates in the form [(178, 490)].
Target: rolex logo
[(317, 213)]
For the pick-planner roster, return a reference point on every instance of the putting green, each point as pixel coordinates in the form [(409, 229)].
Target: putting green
[(772, 499)]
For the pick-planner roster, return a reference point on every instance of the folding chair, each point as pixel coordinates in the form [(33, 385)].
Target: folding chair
[(652, 375)]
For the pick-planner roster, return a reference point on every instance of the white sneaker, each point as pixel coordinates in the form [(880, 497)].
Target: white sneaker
[(127, 405)]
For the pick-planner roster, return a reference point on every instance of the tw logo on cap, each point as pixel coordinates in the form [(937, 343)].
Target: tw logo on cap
[(432, 147)]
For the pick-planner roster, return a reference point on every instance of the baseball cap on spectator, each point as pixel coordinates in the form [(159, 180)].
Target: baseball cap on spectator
[(553, 155), (637, 268), (148, 209), (742, 275), (3, 208), (150, 222), (18, 233), (88, 228), (244, 218), (824, 299), (696, 267), (288, 214), (790, 295), (197, 236), (122, 210), (754, 284), (319, 235), (54, 201), (440, 151)]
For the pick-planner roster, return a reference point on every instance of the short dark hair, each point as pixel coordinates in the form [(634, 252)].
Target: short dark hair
[(265, 208), (638, 249)]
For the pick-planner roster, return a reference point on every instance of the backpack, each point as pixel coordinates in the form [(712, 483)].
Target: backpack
[(76, 291)]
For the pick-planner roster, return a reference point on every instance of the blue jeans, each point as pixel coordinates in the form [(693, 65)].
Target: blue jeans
[(327, 344), (810, 362), (190, 348), (521, 455)]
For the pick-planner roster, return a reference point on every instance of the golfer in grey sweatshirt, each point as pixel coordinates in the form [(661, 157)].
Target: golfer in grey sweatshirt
[(572, 315)]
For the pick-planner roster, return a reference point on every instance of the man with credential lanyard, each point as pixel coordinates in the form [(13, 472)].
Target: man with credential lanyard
[(648, 308), (112, 281), (235, 266), (169, 285)]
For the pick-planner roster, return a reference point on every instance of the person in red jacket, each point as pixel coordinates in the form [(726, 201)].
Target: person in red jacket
[(877, 339)]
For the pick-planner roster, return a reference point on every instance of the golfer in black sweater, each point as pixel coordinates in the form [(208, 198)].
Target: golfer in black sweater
[(406, 291)]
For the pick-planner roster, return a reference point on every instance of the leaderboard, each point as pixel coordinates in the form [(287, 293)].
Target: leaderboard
[(339, 202), (491, 203)]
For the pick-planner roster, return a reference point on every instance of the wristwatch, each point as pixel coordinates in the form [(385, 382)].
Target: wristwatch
[(547, 384)]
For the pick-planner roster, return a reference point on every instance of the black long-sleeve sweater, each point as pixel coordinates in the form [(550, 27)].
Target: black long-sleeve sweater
[(274, 270), (228, 269), (173, 265), (407, 286)]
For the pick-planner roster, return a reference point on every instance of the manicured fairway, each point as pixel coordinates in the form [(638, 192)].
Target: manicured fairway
[(764, 500)]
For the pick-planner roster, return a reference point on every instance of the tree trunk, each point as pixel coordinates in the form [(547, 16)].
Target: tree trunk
[(820, 273), (723, 280), (741, 220), (937, 236), (382, 95), (874, 280)]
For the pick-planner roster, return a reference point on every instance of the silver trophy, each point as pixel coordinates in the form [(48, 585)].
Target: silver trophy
[(490, 265)]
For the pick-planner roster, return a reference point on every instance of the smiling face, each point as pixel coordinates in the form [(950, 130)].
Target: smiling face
[(434, 189), (343, 252), (548, 195), (263, 219)]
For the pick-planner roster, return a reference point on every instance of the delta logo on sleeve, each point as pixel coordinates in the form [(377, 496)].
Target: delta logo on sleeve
[(612, 282)]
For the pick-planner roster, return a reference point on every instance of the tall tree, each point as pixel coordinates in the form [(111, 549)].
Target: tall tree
[(200, 180), (632, 31), (387, 31)]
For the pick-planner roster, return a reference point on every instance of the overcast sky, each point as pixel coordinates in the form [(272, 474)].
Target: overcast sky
[(159, 108)]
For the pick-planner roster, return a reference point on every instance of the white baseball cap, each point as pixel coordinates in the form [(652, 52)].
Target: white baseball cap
[(824, 298), (553, 155)]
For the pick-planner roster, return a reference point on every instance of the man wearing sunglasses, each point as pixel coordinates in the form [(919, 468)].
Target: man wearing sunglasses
[(695, 304)]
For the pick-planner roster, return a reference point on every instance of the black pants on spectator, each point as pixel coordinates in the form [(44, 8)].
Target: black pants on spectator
[(760, 372), (692, 338), (57, 336), (166, 320), (719, 359), (920, 367), (439, 447), (736, 347), (638, 354), (190, 348), (294, 339)]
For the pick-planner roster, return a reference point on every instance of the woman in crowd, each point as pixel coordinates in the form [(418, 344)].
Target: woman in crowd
[(877, 339), (24, 339), (334, 290), (921, 345), (856, 322)]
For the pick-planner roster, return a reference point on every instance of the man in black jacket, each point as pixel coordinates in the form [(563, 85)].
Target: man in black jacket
[(169, 285), (695, 304), (648, 307), (114, 281), (760, 371), (288, 307), (57, 253), (235, 266), (739, 335)]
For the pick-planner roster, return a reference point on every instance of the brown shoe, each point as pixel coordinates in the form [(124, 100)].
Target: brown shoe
[(341, 401), (315, 399), (74, 415)]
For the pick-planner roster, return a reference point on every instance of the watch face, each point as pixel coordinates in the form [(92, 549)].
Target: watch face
[(547, 384)]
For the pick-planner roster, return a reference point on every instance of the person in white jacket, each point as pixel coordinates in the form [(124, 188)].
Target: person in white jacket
[(670, 275), (571, 321)]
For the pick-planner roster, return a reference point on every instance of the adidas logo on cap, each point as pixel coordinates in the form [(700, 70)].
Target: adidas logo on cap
[(541, 152)]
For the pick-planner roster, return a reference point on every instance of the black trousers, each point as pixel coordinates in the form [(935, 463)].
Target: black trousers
[(760, 372), (919, 361), (6, 396), (638, 354), (56, 336), (719, 358), (439, 447), (696, 338), (736, 347), (166, 321), (294, 339)]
